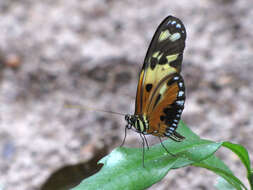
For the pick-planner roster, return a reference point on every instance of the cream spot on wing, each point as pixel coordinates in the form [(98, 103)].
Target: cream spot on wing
[(160, 56), (163, 89), (156, 54), (167, 68), (164, 35), (158, 73), (174, 37), (171, 58)]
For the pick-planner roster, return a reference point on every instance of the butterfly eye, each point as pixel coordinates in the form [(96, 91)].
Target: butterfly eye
[(127, 118), (132, 120)]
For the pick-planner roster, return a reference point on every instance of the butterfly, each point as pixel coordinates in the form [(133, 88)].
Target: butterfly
[(160, 94)]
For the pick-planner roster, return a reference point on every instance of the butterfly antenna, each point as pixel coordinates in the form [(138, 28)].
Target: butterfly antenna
[(166, 148), (91, 109)]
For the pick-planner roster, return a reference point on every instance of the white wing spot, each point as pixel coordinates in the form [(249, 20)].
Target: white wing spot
[(174, 37), (173, 22), (180, 84), (175, 120), (176, 78), (174, 124), (180, 93), (178, 26), (180, 111), (180, 102), (168, 133), (172, 129)]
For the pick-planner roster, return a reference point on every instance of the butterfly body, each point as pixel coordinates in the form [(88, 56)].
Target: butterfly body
[(160, 94)]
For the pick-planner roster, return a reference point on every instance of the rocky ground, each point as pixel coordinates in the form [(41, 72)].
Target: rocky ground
[(89, 53)]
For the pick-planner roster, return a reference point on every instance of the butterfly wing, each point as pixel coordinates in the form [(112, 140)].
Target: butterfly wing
[(166, 106), (164, 58)]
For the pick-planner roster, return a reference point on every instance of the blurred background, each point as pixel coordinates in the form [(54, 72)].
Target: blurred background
[(89, 53)]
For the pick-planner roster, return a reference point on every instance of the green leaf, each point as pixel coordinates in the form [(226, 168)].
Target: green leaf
[(243, 154), (215, 165), (119, 173), (123, 168)]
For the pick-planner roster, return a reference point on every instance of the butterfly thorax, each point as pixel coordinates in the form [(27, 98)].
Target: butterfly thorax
[(139, 122)]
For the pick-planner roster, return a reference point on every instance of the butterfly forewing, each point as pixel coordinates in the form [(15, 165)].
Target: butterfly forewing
[(168, 41), (160, 92), (164, 57)]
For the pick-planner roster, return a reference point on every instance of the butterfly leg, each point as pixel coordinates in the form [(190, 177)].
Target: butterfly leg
[(166, 148), (143, 149), (124, 137), (146, 142)]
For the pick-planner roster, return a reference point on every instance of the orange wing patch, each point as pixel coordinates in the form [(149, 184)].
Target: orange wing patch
[(139, 96), (166, 107)]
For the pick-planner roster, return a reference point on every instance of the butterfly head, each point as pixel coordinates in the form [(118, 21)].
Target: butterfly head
[(130, 119)]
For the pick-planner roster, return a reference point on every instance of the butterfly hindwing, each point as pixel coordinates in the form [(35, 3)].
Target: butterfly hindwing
[(166, 106), (164, 58)]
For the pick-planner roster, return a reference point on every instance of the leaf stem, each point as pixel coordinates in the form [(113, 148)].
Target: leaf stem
[(250, 179)]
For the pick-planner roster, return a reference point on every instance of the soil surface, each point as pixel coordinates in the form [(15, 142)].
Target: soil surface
[(89, 53)]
